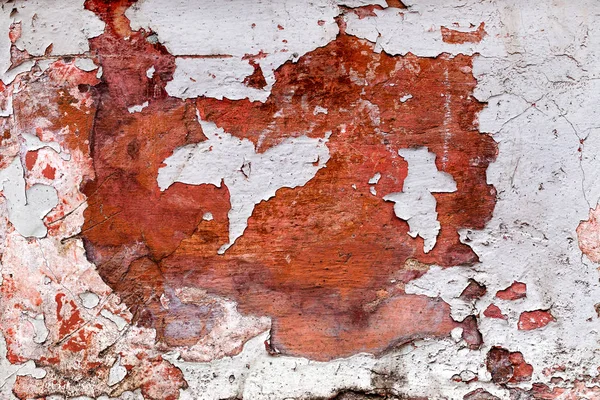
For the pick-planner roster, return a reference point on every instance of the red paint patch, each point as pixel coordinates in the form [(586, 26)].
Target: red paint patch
[(67, 314), (395, 4), (530, 320), (49, 172), (492, 311), (30, 159), (517, 290), (256, 79), (480, 394), (521, 370), (457, 37), (578, 390), (471, 334)]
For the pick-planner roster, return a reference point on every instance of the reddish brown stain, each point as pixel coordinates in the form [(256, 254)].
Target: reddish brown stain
[(471, 334), (530, 320), (579, 389), (30, 159), (517, 290), (521, 370), (480, 394), (493, 311), (49, 172), (395, 4), (313, 258), (473, 291), (14, 32), (56, 87), (458, 37), (68, 317), (256, 79), (507, 367)]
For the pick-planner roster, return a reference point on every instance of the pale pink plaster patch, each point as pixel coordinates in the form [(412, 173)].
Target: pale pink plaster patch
[(588, 233)]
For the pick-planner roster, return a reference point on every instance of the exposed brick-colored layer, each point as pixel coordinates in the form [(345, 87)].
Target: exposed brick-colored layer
[(318, 259)]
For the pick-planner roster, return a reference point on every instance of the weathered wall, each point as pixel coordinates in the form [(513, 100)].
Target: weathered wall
[(284, 199)]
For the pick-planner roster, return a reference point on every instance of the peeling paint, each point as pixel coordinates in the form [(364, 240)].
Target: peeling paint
[(249, 177), (416, 204), (140, 139)]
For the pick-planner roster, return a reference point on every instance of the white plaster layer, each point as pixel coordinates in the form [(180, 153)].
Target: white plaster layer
[(213, 77), (66, 26), (89, 299), (40, 330), (408, 371), (5, 43), (250, 177), (46, 31), (233, 29), (9, 372), (416, 204), (26, 207), (538, 73), (117, 372), (85, 64), (137, 108)]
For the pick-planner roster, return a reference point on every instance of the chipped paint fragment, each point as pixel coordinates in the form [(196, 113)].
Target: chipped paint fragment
[(26, 207), (137, 108), (517, 290), (40, 330), (536, 319), (250, 177), (120, 322), (588, 233), (89, 299), (416, 204), (117, 373)]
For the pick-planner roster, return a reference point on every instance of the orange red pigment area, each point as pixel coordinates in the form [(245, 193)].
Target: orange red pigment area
[(458, 37), (326, 261)]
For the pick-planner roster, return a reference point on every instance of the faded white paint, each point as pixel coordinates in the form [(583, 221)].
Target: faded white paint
[(375, 179), (416, 204), (291, 29), (62, 29), (117, 372), (89, 299), (120, 322), (213, 77), (85, 64), (66, 26), (137, 108), (39, 327), (26, 207), (9, 372)]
